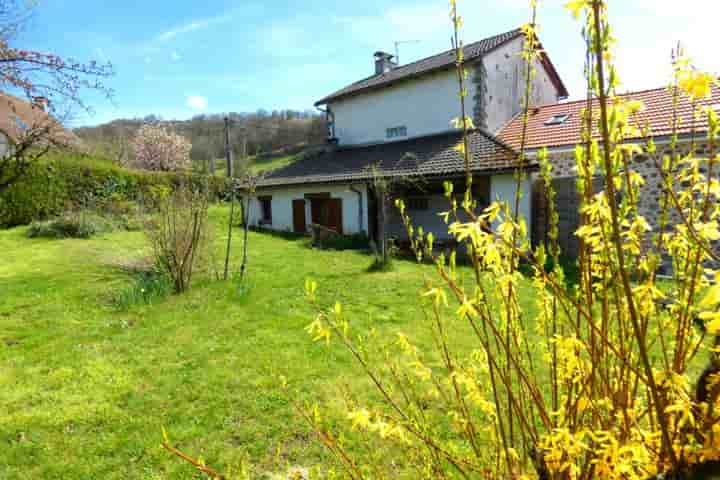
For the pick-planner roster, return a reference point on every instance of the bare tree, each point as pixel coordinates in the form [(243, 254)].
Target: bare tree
[(249, 186)]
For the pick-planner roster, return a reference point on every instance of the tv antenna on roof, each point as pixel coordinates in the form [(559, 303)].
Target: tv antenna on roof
[(397, 48)]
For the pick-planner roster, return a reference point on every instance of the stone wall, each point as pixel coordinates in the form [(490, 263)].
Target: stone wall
[(567, 201)]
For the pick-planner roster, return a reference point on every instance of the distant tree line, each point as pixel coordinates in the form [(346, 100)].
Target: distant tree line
[(264, 133)]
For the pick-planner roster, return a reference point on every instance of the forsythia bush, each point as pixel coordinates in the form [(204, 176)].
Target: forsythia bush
[(603, 380)]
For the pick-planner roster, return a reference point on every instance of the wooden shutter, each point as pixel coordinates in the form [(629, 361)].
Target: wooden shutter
[(335, 214), (299, 225)]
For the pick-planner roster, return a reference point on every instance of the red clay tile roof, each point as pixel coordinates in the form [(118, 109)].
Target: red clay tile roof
[(657, 114), (438, 62), (432, 155)]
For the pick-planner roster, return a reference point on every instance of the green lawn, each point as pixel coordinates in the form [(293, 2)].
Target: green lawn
[(85, 389)]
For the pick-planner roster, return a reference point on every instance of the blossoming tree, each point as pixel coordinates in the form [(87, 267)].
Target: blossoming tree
[(159, 149)]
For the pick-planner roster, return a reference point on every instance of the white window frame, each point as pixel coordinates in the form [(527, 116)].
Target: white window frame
[(558, 119), (395, 132)]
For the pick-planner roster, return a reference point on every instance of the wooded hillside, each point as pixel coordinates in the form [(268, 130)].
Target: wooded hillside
[(265, 132)]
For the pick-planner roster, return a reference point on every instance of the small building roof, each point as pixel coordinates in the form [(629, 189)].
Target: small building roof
[(437, 62), (18, 116), (427, 156), (657, 115)]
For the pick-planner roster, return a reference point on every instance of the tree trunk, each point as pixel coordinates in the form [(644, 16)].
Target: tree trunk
[(382, 225), (246, 221)]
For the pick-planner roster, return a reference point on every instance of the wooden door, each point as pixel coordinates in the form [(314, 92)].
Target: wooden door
[(334, 206), (298, 207)]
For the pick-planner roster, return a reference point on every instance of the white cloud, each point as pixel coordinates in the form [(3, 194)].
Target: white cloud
[(399, 22), (643, 52), (175, 56), (196, 102), (193, 26)]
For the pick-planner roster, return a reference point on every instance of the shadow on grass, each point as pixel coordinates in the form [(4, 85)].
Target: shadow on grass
[(378, 266)]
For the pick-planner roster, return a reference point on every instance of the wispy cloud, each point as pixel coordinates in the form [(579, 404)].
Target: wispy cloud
[(196, 102), (195, 25)]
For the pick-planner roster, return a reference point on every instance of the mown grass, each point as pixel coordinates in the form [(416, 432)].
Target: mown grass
[(85, 387)]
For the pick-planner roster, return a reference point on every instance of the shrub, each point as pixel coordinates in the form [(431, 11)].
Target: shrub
[(70, 181), (80, 224), (180, 235), (358, 241), (598, 381)]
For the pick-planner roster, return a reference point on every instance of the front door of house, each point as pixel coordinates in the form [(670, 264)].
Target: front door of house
[(299, 225)]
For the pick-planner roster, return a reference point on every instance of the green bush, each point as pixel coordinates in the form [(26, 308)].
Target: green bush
[(63, 182), (71, 225), (357, 241)]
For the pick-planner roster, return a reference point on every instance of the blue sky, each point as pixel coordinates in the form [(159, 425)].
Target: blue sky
[(178, 58)]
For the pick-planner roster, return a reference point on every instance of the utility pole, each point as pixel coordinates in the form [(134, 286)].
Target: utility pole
[(228, 150), (244, 146)]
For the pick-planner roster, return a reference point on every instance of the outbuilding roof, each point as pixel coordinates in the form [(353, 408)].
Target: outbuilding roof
[(437, 62), (427, 156), (657, 115), (18, 117)]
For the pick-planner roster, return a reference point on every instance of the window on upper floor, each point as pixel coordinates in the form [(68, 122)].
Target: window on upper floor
[(558, 119), (395, 132)]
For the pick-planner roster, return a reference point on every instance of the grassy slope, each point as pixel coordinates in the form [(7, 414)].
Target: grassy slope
[(268, 164), (84, 390), (259, 165)]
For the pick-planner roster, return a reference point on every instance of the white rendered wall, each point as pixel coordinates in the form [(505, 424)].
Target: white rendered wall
[(428, 219), (505, 70), (503, 188), (425, 106), (428, 104), (282, 199)]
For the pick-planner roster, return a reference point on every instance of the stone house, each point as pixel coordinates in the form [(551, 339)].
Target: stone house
[(396, 125)]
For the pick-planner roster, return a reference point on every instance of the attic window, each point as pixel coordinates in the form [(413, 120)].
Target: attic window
[(558, 119), (396, 132)]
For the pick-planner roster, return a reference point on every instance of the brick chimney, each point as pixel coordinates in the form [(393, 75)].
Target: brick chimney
[(384, 62), (41, 102)]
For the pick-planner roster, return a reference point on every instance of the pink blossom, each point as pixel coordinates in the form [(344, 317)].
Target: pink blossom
[(158, 149)]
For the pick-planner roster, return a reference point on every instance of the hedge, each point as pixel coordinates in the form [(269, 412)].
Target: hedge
[(61, 182)]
